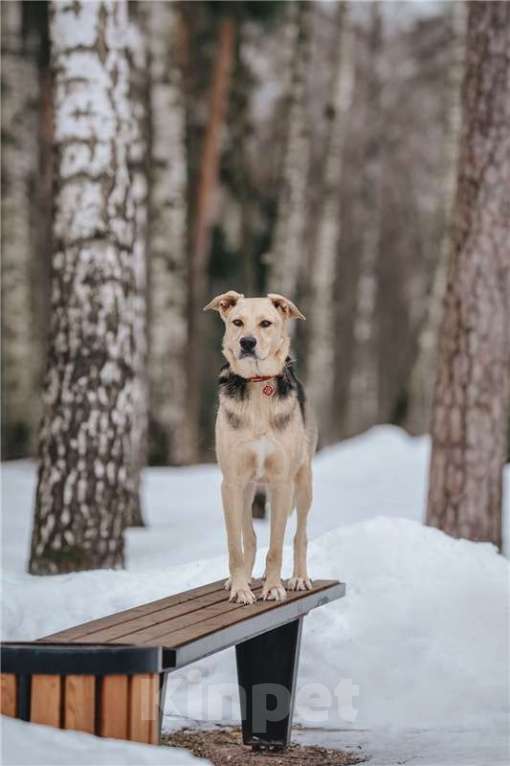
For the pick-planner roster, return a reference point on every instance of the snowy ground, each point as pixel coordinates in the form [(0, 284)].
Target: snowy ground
[(25, 744), (414, 662)]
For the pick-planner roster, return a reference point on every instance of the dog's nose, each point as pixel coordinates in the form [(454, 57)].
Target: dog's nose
[(248, 343)]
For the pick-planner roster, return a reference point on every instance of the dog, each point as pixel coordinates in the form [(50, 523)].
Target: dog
[(265, 434)]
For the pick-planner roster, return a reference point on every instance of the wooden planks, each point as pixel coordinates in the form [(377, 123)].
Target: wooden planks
[(113, 719), (179, 619), (195, 625), (129, 707), (80, 703), (188, 610), (79, 632), (8, 692), (144, 708), (46, 700)]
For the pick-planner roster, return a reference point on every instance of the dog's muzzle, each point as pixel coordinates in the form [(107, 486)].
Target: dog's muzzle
[(247, 343)]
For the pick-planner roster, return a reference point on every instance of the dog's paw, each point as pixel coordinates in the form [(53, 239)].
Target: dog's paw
[(299, 583), (228, 582), (242, 595), (273, 592)]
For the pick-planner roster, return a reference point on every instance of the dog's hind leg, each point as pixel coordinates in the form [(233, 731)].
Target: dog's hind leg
[(282, 494), (300, 579), (233, 507)]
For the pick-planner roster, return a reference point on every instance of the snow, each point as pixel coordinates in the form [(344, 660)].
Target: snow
[(26, 744), (413, 661), (419, 747)]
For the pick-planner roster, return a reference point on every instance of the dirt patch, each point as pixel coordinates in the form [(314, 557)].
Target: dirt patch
[(223, 747)]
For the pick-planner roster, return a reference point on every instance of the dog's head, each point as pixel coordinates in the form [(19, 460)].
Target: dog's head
[(256, 340)]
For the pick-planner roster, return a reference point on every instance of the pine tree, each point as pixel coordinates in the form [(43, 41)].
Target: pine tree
[(470, 415), (84, 484)]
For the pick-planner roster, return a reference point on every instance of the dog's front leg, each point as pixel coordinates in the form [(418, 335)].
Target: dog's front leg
[(249, 536), (233, 506), (282, 494)]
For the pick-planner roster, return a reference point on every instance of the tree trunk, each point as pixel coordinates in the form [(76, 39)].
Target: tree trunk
[(137, 158), (421, 386), (168, 332), (43, 194), (470, 416), (19, 163), (321, 340), (84, 484), (364, 385), (243, 191), (288, 246), (207, 182)]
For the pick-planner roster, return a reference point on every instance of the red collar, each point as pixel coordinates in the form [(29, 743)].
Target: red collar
[(259, 378)]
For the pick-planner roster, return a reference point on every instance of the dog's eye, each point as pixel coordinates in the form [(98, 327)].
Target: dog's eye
[(266, 323), (237, 322)]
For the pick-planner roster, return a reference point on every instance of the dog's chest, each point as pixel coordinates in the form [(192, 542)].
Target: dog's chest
[(259, 435), (262, 449), (259, 414)]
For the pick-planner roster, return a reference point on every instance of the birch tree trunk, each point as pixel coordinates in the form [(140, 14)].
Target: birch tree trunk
[(137, 158), (364, 385), (421, 387), (470, 416), (321, 340), (84, 484), (168, 332), (288, 246), (19, 164)]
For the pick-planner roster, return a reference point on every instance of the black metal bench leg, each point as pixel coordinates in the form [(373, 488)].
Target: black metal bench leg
[(162, 695), (266, 670)]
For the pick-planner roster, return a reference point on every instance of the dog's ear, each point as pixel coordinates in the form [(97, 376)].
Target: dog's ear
[(288, 309), (224, 302)]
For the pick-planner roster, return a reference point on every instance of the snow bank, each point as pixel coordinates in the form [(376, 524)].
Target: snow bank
[(26, 744), (423, 631)]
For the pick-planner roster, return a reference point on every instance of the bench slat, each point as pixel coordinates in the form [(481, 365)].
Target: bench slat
[(174, 633), (144, 708), (258, 622), (8, 694), (184, 627), (113, 719), (80, 703), (80, 631), (193, 607), (46, 700)]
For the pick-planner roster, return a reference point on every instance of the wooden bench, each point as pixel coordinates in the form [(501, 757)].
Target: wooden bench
[(108, 676)]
